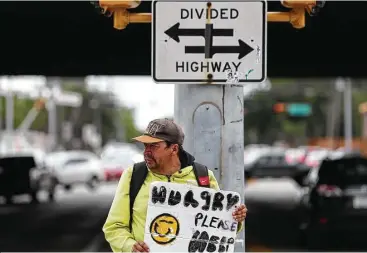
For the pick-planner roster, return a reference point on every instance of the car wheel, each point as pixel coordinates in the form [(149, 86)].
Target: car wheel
[(34, 198), (93, 183), (8, 200), (52, 191)]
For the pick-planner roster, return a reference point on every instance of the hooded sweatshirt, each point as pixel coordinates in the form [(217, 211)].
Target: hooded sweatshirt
[(116, 227)]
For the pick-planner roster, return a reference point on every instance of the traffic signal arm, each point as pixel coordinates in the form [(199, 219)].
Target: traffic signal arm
[(121, 18)]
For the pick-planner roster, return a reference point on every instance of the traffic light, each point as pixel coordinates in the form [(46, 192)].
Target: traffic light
[(121, 16), (113, 5), (293, 109), (279, 108), (363, 108), (39, 104), (297, 16), (313, 7)]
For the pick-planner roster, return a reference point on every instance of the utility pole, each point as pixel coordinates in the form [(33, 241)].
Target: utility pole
[(209, 76), (52, 84), (335, 112), (9, 112), (212, 119), (348, 124)]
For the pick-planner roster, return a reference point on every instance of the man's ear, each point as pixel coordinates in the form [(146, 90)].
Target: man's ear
[(175, 148)]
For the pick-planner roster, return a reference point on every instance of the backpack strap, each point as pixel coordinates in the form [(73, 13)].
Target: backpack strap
[(201, 174), (140, 172)]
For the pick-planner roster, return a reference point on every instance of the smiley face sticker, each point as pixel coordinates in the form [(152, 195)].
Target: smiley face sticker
[(164, 228)]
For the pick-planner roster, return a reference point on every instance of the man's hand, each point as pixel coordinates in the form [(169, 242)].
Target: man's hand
[(240, 213), (140, 247)]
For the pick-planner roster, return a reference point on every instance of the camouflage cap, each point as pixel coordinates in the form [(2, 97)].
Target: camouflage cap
[(162, 130)]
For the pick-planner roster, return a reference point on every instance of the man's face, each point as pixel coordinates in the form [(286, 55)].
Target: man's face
[(157, 154)]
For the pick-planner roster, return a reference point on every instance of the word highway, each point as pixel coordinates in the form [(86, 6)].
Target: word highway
[(207, 66)]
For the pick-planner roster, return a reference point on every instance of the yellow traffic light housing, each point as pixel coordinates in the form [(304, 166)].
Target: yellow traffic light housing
[(297, 16), (127, 4), (121, 17)]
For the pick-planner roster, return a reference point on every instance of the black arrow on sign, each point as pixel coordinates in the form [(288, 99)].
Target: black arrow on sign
[(242, 49), (175, 32)]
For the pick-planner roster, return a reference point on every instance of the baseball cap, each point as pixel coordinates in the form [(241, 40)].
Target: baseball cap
[(162, 130)]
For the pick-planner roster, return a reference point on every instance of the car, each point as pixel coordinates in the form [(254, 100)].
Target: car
[(115, 163), (272, 163), (75, 167), (334, 206), (21, 174)]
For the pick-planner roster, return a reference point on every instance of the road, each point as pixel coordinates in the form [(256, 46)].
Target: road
[(72, 223), (273, 218)]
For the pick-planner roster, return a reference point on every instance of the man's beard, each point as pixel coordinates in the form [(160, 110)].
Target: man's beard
[(153, 162)]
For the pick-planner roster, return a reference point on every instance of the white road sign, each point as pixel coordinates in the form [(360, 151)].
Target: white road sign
[(201, 41)]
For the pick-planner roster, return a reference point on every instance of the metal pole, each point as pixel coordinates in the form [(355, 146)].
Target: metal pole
[(212, 119), (1, 114), (29, 119), (52, 113), (364, 125), (9, 112), (348, 114)]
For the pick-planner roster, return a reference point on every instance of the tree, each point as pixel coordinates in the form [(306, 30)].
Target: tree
[(112, 119)]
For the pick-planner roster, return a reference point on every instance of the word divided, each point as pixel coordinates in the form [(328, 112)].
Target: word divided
[(212, 13)]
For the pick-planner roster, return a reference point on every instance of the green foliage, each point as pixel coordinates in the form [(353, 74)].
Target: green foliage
[(112, 119), (260, 120)]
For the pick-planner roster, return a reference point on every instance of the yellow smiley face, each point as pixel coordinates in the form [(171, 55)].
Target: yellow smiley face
[(164, 228)]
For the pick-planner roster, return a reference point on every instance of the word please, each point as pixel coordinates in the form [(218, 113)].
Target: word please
[(214, 222), (188, 198)]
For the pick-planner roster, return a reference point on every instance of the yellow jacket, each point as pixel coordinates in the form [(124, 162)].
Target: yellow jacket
[(116, 227)]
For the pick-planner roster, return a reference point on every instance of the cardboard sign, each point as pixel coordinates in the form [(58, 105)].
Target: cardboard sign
[(187, 218)]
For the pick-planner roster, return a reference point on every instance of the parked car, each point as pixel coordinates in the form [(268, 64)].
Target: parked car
[(335, 204), (75, 167), (272, 163), (21, 174), (116, 162)]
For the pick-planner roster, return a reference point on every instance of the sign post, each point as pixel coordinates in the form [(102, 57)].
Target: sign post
[(209, 50)]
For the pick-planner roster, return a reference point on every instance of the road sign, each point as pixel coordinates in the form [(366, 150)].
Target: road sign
[(299, 109), (201, 41)]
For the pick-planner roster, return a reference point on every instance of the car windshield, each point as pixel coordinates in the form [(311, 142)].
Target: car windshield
[(343, 172), (55, 158)]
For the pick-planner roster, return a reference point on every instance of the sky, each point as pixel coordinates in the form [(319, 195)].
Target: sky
[(150, 100)]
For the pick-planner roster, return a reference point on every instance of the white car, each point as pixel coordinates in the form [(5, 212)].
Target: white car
[(75, 167)]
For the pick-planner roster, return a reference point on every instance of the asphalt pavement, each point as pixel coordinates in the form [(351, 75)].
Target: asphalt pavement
[(72, 223)]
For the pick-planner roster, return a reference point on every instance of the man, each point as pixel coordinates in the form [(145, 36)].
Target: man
[(165, 160)]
